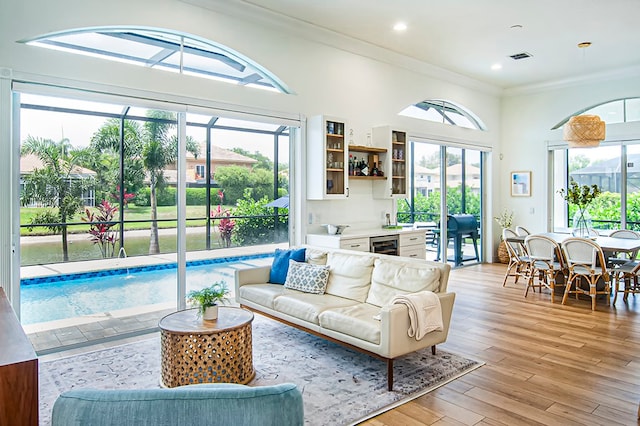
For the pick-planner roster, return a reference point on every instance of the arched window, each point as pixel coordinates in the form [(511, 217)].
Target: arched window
[(163, 49), (616, 111), (445, 112)]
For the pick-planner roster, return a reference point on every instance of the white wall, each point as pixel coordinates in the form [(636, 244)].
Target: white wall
[(325, 79), (527, 120)]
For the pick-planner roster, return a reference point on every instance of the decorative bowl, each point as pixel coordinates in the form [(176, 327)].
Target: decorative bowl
[(335, 229)]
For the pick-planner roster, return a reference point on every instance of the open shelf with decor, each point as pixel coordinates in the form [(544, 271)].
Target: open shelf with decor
[(372, 157)]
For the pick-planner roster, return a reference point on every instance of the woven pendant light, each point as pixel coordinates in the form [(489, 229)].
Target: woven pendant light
[(584, 131)]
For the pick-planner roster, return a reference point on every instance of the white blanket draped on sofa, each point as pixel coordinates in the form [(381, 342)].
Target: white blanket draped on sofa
[(425, 312)]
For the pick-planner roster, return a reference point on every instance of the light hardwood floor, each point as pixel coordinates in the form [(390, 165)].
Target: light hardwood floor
[(545, 363)]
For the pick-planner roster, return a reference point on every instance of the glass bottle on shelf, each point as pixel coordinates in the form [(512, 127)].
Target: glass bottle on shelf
[(365, 169)]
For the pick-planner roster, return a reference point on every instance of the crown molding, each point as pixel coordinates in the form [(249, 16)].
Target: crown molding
[(632, 71), (283, 23)]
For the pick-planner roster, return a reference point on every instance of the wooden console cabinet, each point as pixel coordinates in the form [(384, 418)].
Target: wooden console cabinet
[(18, 371)]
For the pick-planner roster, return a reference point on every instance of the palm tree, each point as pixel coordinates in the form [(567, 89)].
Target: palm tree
[(54, 185), (153, 143), (105, 160)]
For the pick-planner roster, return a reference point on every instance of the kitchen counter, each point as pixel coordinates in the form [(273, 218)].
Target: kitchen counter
[(410, 242), (368, 232)]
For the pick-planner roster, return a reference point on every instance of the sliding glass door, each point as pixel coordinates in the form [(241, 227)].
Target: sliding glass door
[(107, 202), (462, 184)]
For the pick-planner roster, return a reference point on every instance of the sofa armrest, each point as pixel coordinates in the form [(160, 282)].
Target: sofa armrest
[(394, 324), (257, 275)]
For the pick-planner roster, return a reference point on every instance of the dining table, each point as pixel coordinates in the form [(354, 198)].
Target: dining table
[(612, 244)]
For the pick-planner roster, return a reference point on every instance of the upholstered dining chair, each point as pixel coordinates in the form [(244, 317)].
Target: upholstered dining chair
[(518, 260), (588, 273), (546, 260), (522, 231)]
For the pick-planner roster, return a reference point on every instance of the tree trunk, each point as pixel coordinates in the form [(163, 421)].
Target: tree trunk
[(154, 245), (63, 219), (65, 244)]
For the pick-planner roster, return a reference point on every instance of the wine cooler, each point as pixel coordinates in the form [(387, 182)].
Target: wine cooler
[(384, 245)]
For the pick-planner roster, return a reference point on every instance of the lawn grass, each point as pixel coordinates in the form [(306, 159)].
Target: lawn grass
[(131, 213)]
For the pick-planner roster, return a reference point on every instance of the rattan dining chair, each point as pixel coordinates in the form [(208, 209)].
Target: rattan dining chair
[(626, 270), (546, 261), (619, 258), (627, 274), (518, 260), (588, 273), (522, 231)]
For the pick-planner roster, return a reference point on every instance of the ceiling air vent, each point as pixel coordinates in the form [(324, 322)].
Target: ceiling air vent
[(519, 56)]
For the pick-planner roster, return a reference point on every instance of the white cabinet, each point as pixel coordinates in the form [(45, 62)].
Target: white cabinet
[(413, 244), (395, 163), (327, 162), (358, 244)]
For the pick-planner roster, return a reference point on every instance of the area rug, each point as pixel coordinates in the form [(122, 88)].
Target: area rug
[(339, 386)]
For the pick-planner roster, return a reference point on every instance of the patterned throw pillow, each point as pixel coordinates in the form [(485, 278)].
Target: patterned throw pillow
[(306, 277)]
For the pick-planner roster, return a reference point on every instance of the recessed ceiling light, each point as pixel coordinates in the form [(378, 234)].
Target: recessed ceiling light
[(496, 67), (516, 27), (584, 44), (400, 26)]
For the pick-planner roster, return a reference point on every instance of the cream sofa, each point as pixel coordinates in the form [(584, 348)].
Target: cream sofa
[(359, 291)]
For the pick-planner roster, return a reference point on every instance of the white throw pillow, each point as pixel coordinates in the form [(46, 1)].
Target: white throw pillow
[(391, 278), (307, 278), (350, 275)]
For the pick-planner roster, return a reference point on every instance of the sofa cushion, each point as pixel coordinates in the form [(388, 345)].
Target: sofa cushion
[(307, 278), (316, 257), (307, 306), (280, 265), (356, 321), (391, 278), (262, 294), (350, 275)]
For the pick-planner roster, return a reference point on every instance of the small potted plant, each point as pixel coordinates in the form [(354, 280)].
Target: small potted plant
[(207, 299)]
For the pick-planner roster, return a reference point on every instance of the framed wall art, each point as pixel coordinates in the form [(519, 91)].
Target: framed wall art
[(521, 184)]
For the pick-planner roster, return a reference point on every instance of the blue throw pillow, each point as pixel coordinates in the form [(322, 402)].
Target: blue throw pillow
[(280, 265)]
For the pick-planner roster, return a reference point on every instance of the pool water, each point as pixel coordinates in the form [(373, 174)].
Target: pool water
[(69, 296)]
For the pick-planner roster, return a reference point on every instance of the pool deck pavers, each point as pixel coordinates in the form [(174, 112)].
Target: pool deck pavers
[(66, 337)]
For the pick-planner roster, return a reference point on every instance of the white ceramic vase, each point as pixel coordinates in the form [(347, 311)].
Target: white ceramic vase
[(210, 313)]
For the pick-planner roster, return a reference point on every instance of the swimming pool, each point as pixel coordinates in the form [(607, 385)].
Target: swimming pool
[(67, 296)]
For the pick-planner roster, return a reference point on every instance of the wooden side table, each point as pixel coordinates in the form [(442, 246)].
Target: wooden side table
[(197, 351)]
